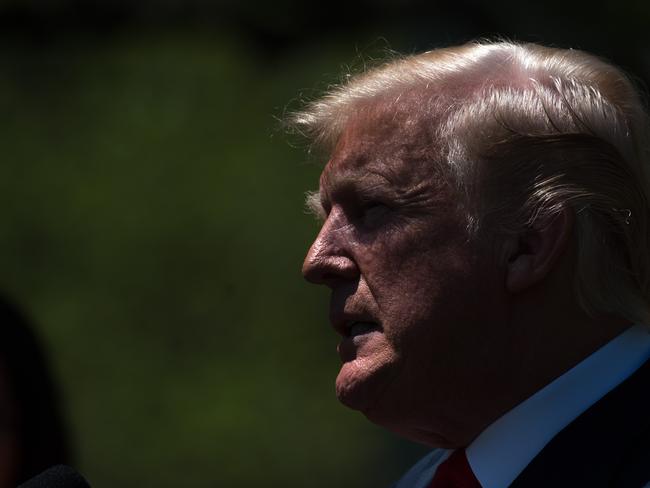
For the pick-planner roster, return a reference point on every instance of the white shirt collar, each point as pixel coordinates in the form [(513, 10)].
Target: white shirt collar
[(502, 451)]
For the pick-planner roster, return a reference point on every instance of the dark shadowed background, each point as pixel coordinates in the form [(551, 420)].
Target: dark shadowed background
[(152, 220)]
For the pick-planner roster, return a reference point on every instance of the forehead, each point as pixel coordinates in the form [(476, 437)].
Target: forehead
[(388, 142)]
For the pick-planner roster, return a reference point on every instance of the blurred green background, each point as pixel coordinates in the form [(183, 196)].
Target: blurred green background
[(153, 225)]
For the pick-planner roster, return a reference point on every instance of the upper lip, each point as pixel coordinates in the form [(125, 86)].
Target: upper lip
[(342, 321)]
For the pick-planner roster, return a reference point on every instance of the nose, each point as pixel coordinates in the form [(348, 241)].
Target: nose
[(328, 262)]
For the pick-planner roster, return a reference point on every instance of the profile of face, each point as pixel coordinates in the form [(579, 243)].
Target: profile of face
[(416, 303)]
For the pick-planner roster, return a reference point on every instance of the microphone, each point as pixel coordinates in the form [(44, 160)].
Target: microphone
[(59, 476)]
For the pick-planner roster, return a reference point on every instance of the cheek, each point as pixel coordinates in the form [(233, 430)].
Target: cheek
[(419, 271), (425, 290)]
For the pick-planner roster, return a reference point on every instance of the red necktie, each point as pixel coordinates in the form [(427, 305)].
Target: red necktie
[(454, 472)]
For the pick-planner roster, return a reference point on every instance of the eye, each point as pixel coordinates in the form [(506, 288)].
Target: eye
[(372, 213)]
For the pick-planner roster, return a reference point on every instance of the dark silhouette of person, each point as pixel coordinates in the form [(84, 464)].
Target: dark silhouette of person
[(32, 432)]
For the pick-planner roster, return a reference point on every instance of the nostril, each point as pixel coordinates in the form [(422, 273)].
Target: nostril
[(329, 270), (330, 279)]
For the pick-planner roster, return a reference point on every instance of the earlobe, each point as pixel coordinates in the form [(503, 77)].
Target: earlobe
[(532, 255), (519, 272)]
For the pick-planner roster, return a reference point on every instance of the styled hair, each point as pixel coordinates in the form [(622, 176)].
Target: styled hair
[(525, 131)]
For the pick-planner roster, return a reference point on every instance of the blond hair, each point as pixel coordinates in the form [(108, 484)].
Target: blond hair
[(524, 132)]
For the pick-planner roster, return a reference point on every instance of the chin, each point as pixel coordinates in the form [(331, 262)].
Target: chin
[(360, 385), (351, 391)]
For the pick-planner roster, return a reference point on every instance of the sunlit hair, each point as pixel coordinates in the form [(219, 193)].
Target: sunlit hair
[(524, 131)]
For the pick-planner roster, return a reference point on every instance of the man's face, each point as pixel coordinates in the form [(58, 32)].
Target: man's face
[(411, 296)]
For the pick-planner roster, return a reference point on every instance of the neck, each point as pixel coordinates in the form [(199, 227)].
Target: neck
[(551, 333), (547, 333)]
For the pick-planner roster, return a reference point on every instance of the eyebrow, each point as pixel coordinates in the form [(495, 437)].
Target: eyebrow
[(314, 206), (362, 183), (366, 185)]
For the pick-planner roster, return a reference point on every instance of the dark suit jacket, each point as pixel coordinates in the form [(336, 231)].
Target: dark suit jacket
[(608, 446)]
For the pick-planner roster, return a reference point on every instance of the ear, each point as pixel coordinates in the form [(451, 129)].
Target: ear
[(531, 255)]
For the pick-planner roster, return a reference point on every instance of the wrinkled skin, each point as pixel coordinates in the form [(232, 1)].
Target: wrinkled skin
[(394, 251)]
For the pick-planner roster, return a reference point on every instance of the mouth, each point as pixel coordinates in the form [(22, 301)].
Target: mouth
[(353, 324), (355, 328)]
